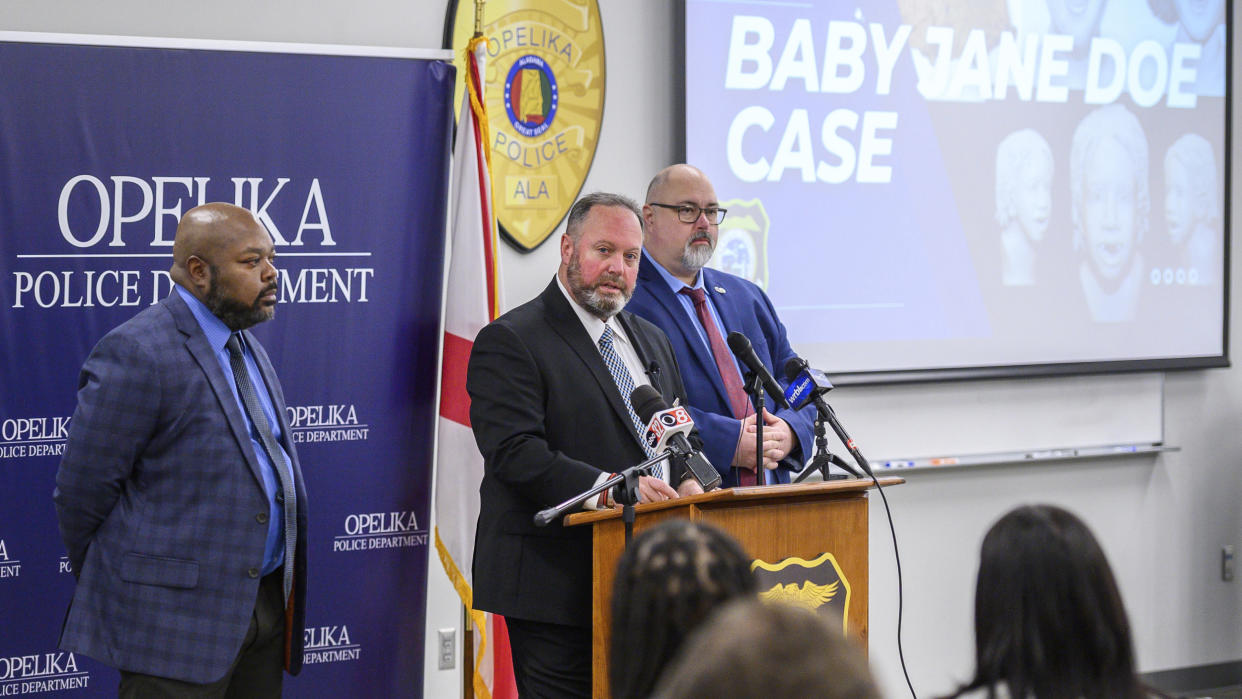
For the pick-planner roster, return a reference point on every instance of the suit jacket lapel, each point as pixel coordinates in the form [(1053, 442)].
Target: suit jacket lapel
[(196, 344), (566, 324), (273, 391), (687, 334), (729, 312), (641, 347)]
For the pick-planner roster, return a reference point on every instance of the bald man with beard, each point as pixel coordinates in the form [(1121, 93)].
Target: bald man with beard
[(678, 292), (179, 497)]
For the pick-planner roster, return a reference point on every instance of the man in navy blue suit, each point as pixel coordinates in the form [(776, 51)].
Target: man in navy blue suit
[(179, 497), (697, 307)]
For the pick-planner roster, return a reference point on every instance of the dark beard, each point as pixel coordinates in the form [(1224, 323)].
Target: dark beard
[(234, 314)]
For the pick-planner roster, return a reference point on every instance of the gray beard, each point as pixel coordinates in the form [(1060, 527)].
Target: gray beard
[(599, 305), (694, 257)]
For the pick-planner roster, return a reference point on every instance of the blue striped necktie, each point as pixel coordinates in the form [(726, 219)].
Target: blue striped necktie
[(625, 383)]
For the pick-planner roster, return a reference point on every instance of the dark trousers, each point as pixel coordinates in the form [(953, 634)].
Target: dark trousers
[(550, 660), (256, 672)]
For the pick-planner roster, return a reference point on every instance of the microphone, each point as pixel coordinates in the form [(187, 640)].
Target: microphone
[(653, 374), (805, 383), (663, 423), (746, 354), (667, 429)]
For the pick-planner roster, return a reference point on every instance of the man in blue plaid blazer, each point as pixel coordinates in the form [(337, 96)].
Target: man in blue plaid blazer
[(174, 493)]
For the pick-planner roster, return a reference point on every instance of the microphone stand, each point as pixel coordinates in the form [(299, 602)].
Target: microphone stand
[(826, 413), (823, 457), (754, 386), (627, 496)]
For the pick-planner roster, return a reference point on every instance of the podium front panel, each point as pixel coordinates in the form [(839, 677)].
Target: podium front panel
[(772, 524)]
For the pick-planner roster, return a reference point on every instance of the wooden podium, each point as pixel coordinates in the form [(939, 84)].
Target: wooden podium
[(771, 522)]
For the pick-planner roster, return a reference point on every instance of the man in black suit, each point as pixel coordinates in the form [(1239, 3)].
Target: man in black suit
[(549, 385)]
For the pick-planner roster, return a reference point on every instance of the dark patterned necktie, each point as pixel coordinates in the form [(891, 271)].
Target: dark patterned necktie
[(625, 384), (274, 453)]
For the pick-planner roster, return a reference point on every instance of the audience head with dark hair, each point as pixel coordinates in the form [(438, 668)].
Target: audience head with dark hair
[(804, 655), (668, 581), (1049, 620)]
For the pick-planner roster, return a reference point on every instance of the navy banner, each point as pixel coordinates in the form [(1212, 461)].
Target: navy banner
[(345, 160)]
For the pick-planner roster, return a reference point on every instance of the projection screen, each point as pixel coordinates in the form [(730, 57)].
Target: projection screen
[(935, 189)]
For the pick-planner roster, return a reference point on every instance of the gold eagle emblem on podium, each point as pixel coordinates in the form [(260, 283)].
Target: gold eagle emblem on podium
[(808, 595), (818, 585)]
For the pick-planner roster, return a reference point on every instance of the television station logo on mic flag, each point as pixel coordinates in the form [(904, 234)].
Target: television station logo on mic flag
[(667, 421), (805, 383), (798, 392)]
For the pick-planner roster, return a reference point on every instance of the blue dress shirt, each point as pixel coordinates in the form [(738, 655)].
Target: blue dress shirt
[(687, 304), (217, 334)]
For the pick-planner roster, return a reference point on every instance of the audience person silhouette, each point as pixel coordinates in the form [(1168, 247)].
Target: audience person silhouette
[(1049, 620), (668, 581), (752, 650)]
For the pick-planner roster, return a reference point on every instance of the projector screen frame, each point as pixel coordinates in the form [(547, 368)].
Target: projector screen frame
[(680, 25)]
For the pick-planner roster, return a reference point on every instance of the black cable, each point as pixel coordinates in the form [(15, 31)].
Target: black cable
[(901, 655), (819, 387)]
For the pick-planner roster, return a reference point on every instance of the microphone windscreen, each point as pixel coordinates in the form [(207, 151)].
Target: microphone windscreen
[(647, 402), (793, 367), (739, 343)]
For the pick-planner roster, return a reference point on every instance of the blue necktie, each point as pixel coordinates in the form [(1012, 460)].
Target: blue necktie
[(625, 383), (251, 400)]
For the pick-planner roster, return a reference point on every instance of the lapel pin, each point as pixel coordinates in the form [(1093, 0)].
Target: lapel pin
[(719, 289)]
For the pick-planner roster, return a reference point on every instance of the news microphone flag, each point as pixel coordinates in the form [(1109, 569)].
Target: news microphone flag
[(472, 300), (664, 424), (805, 383), (667, 428)]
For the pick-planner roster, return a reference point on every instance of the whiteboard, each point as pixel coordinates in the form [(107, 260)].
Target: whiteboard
[(961, 419)]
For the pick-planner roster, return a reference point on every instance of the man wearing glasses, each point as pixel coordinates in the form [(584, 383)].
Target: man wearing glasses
[(697, 307)]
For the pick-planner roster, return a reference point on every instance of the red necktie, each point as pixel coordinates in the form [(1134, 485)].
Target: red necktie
[(739, 402)]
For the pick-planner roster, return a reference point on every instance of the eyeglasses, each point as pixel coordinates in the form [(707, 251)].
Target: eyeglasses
[(689, 213)]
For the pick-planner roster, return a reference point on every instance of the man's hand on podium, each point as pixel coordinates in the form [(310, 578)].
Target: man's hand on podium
[(654, 490)]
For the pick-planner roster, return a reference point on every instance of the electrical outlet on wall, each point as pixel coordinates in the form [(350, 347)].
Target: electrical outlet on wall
[(447, 650), (1226, 563)]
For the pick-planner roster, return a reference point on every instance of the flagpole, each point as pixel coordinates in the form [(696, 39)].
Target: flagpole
[(487, 664), (480, 111)]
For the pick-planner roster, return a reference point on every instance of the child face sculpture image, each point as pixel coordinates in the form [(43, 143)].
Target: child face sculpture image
[(1024, 170), (1110, 202), (1191, 208)]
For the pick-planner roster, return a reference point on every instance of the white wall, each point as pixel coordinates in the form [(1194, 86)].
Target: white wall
[(1161, 519)]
